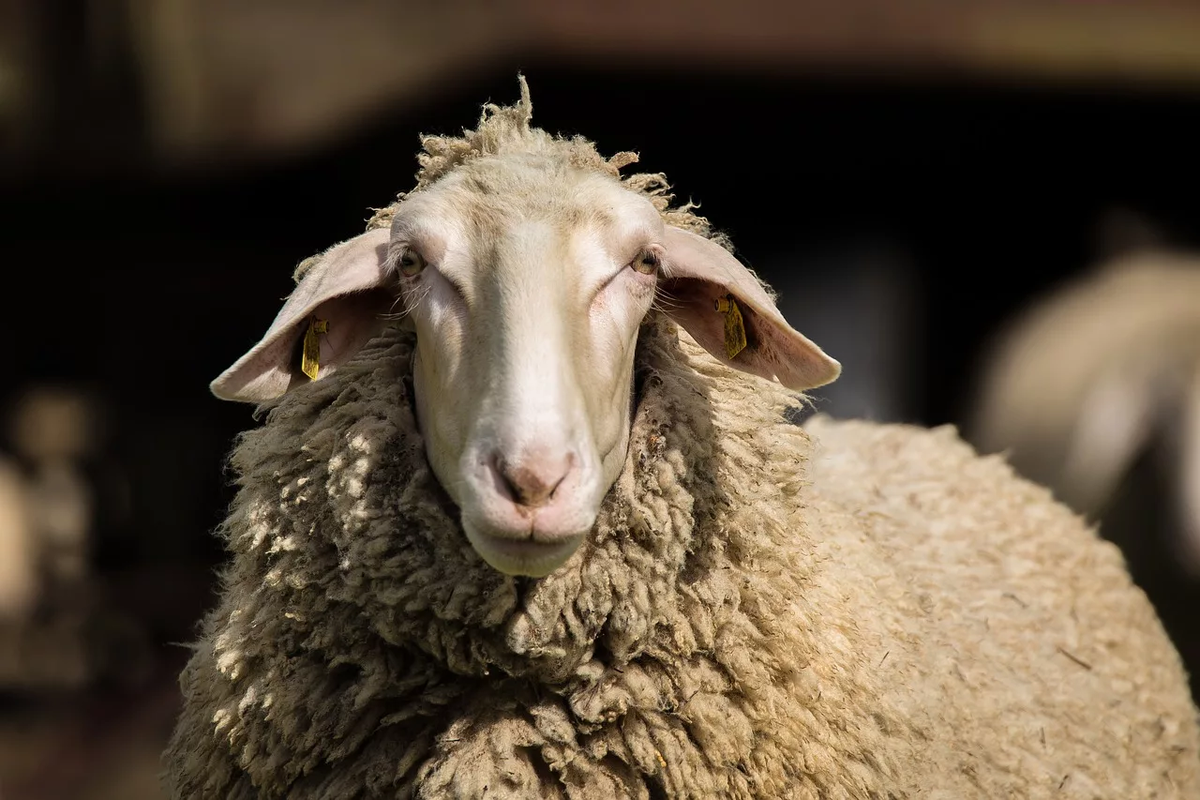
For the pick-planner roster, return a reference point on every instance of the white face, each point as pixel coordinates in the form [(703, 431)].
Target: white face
[(526, 290)]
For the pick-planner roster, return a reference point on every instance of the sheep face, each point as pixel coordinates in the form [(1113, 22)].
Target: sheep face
[(526, 280), (526, 285)]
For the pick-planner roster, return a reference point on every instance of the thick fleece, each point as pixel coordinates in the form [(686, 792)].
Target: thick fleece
[(897, 619), (886, 616)]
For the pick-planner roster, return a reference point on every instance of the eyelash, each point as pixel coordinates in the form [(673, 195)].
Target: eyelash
[(642, 255)]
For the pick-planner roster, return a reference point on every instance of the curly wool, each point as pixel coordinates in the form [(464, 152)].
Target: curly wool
[(363, 645), (727, 631)]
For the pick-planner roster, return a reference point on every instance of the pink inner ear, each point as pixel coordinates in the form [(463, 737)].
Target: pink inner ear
[(700, 271), (351, 319), (771, 352), (692, 304)]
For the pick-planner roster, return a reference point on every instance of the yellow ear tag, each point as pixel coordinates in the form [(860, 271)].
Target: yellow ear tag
[(310, 359), (735, 327)]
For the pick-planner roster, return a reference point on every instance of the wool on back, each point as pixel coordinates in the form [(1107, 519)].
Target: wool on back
[(1037, 666)]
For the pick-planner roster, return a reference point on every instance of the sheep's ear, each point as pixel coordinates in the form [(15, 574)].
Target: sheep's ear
[(1115, 421), (699, 277), (340, 290)]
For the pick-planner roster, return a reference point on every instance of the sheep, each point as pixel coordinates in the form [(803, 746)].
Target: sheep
[(1079, 384), (528, 518)]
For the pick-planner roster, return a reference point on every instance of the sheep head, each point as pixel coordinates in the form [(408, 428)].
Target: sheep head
[(526, 276)]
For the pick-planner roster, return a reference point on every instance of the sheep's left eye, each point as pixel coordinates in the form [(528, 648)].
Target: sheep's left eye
[(410, 263), (646, 263)]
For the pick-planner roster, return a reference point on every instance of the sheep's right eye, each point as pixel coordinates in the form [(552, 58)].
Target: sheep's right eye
[(410, 263), (646, 263)]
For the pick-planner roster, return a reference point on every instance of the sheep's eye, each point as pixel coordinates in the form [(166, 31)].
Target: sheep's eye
[(646, 263), (410, 263)]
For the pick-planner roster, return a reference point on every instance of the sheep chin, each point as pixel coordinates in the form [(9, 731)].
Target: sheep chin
[(522, 557)]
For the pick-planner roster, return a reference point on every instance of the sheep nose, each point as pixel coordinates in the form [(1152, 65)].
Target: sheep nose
[(532, 480)]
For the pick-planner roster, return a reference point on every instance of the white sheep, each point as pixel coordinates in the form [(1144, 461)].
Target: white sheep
[(1082, 382), (545, 531)]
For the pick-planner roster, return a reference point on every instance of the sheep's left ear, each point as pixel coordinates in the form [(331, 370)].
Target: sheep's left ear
[(699, 276)]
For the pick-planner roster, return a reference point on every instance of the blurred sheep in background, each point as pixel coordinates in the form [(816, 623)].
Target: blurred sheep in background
[(53, 430), (47, 507), (56, 629), (1100, 375)]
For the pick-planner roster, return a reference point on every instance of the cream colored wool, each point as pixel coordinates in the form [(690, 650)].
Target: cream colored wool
[(891, 617)]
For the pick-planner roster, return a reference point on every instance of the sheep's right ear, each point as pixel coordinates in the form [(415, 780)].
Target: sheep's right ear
[(340, 290)]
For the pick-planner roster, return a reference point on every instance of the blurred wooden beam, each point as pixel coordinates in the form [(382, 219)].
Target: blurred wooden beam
[(244, 78), (1115, 41), (249, 75)]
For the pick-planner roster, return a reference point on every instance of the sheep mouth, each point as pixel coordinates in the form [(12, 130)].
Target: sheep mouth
[(531, 557)]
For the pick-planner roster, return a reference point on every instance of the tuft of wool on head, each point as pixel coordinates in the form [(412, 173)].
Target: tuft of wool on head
[(506, 129), (503, 130)]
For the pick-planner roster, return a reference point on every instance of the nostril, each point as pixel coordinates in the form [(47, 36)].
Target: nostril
[(532, 482), (500, 471)]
